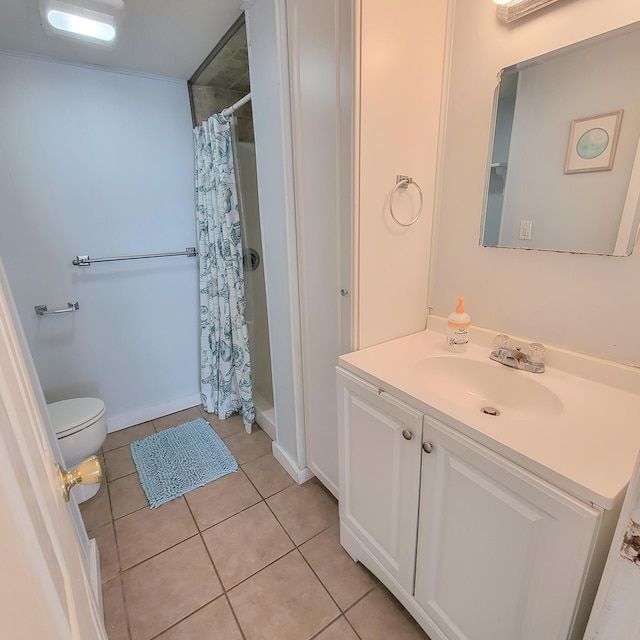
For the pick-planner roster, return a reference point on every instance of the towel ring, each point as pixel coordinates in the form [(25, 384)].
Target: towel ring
[(403, 182)]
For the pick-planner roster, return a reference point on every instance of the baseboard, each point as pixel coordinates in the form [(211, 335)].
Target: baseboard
[(95, 575), (266, 425), (298, 474), (144, 414), (265, 415)]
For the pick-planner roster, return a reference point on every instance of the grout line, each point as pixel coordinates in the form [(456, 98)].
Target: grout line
[(124, 606), (227, 518), (297, 548), (254, 484), (239, 512), (199, 532), (223, 594), (319, 579), (184, 496), (266, 566), (317, 635), (124, 602), (155, 555), (120, 572), (357, 635), (177, 622), (213, 564), (362, 597)]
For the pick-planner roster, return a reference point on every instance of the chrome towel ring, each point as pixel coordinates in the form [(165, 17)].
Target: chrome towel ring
[(403, 182)]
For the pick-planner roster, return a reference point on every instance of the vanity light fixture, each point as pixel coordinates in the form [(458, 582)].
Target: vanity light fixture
[(89, 20), (510, 10)]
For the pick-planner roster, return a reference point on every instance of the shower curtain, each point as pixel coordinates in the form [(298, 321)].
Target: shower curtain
[(225, 365)]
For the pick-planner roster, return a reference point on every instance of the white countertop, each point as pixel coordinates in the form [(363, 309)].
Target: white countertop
[(588, 450)]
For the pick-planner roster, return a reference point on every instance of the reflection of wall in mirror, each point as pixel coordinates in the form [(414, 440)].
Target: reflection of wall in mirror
[(579, 212), (499, 161)]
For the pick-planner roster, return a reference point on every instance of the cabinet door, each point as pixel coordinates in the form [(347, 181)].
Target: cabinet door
[(380, 473), (501, 554)]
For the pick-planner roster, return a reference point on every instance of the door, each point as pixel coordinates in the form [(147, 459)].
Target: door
[(491, 538), (45, 591), (379, 438), (615, 614)]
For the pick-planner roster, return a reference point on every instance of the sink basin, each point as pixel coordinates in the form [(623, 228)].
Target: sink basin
[(475, 384)]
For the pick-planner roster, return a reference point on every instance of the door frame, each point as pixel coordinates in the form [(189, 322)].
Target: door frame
[(615, 612)]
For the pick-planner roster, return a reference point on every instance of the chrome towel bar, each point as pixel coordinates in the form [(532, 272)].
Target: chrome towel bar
[(41, 309), (85, 261)]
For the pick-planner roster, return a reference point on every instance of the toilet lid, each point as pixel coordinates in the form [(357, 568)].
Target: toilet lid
[(70, 415)]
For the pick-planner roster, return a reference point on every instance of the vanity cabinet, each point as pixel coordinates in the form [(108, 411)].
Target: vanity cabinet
[(475, 547), (501, 553), (380, 463)]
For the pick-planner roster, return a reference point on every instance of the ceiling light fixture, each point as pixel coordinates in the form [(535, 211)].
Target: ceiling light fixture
[(89, 20), (97, 26)]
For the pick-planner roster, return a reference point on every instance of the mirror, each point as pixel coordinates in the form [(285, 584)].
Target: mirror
[(564, 164)]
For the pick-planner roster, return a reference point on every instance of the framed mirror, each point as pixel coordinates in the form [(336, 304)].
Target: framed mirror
[(564, 163)]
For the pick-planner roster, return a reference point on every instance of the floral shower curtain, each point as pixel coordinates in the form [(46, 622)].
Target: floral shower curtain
[(225, 366)]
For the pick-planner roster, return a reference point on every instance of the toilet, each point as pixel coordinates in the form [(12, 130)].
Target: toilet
[(80, 425)]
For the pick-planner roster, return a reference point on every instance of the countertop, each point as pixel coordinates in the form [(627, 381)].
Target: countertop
[(588, 450)]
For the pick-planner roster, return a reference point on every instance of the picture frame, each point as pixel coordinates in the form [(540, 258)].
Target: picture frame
[(516, 9), (593, 142)]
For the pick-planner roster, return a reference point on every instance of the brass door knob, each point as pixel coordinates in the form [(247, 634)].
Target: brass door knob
[(89, 471)]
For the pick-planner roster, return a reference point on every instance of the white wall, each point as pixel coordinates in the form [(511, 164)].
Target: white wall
[(268, 65), (401, 61), (582, 302), (101, 163)]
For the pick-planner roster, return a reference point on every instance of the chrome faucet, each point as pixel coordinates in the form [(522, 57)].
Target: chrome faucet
[(515, 357)]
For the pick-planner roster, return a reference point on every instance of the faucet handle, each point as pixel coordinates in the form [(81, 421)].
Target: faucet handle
[(535, 352), (501, 341)]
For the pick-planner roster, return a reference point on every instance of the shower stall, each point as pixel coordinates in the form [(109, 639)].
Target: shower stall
[(221, 81), (255, 293)]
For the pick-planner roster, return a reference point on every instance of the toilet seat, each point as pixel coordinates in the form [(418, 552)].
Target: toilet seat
[(70, 416)]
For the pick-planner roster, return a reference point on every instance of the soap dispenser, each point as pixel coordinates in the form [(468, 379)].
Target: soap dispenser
[(458, 324)]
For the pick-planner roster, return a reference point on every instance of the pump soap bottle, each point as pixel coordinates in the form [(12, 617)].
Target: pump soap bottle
[(458, 324)]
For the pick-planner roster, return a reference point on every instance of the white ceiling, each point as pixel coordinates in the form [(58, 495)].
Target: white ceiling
[(161, 37)]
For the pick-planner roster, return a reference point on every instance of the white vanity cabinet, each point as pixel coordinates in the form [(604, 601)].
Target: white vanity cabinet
[(474, 546), (380, 463), (501, 553)]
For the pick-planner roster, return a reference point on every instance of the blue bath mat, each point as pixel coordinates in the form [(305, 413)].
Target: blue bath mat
[(180, 459)]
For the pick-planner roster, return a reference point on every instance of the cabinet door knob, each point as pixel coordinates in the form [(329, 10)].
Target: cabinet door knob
[(407, 435), (427, 447)]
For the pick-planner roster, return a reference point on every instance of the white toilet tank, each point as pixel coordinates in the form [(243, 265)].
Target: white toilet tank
[(80, 425)]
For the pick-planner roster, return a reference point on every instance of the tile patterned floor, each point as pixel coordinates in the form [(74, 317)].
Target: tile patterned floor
[(251, 556)]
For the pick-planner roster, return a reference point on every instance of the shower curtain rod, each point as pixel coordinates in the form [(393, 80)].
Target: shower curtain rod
[(236, 105)]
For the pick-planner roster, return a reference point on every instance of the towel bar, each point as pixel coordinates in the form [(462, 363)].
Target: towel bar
[(85, 261), (41, 309)]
